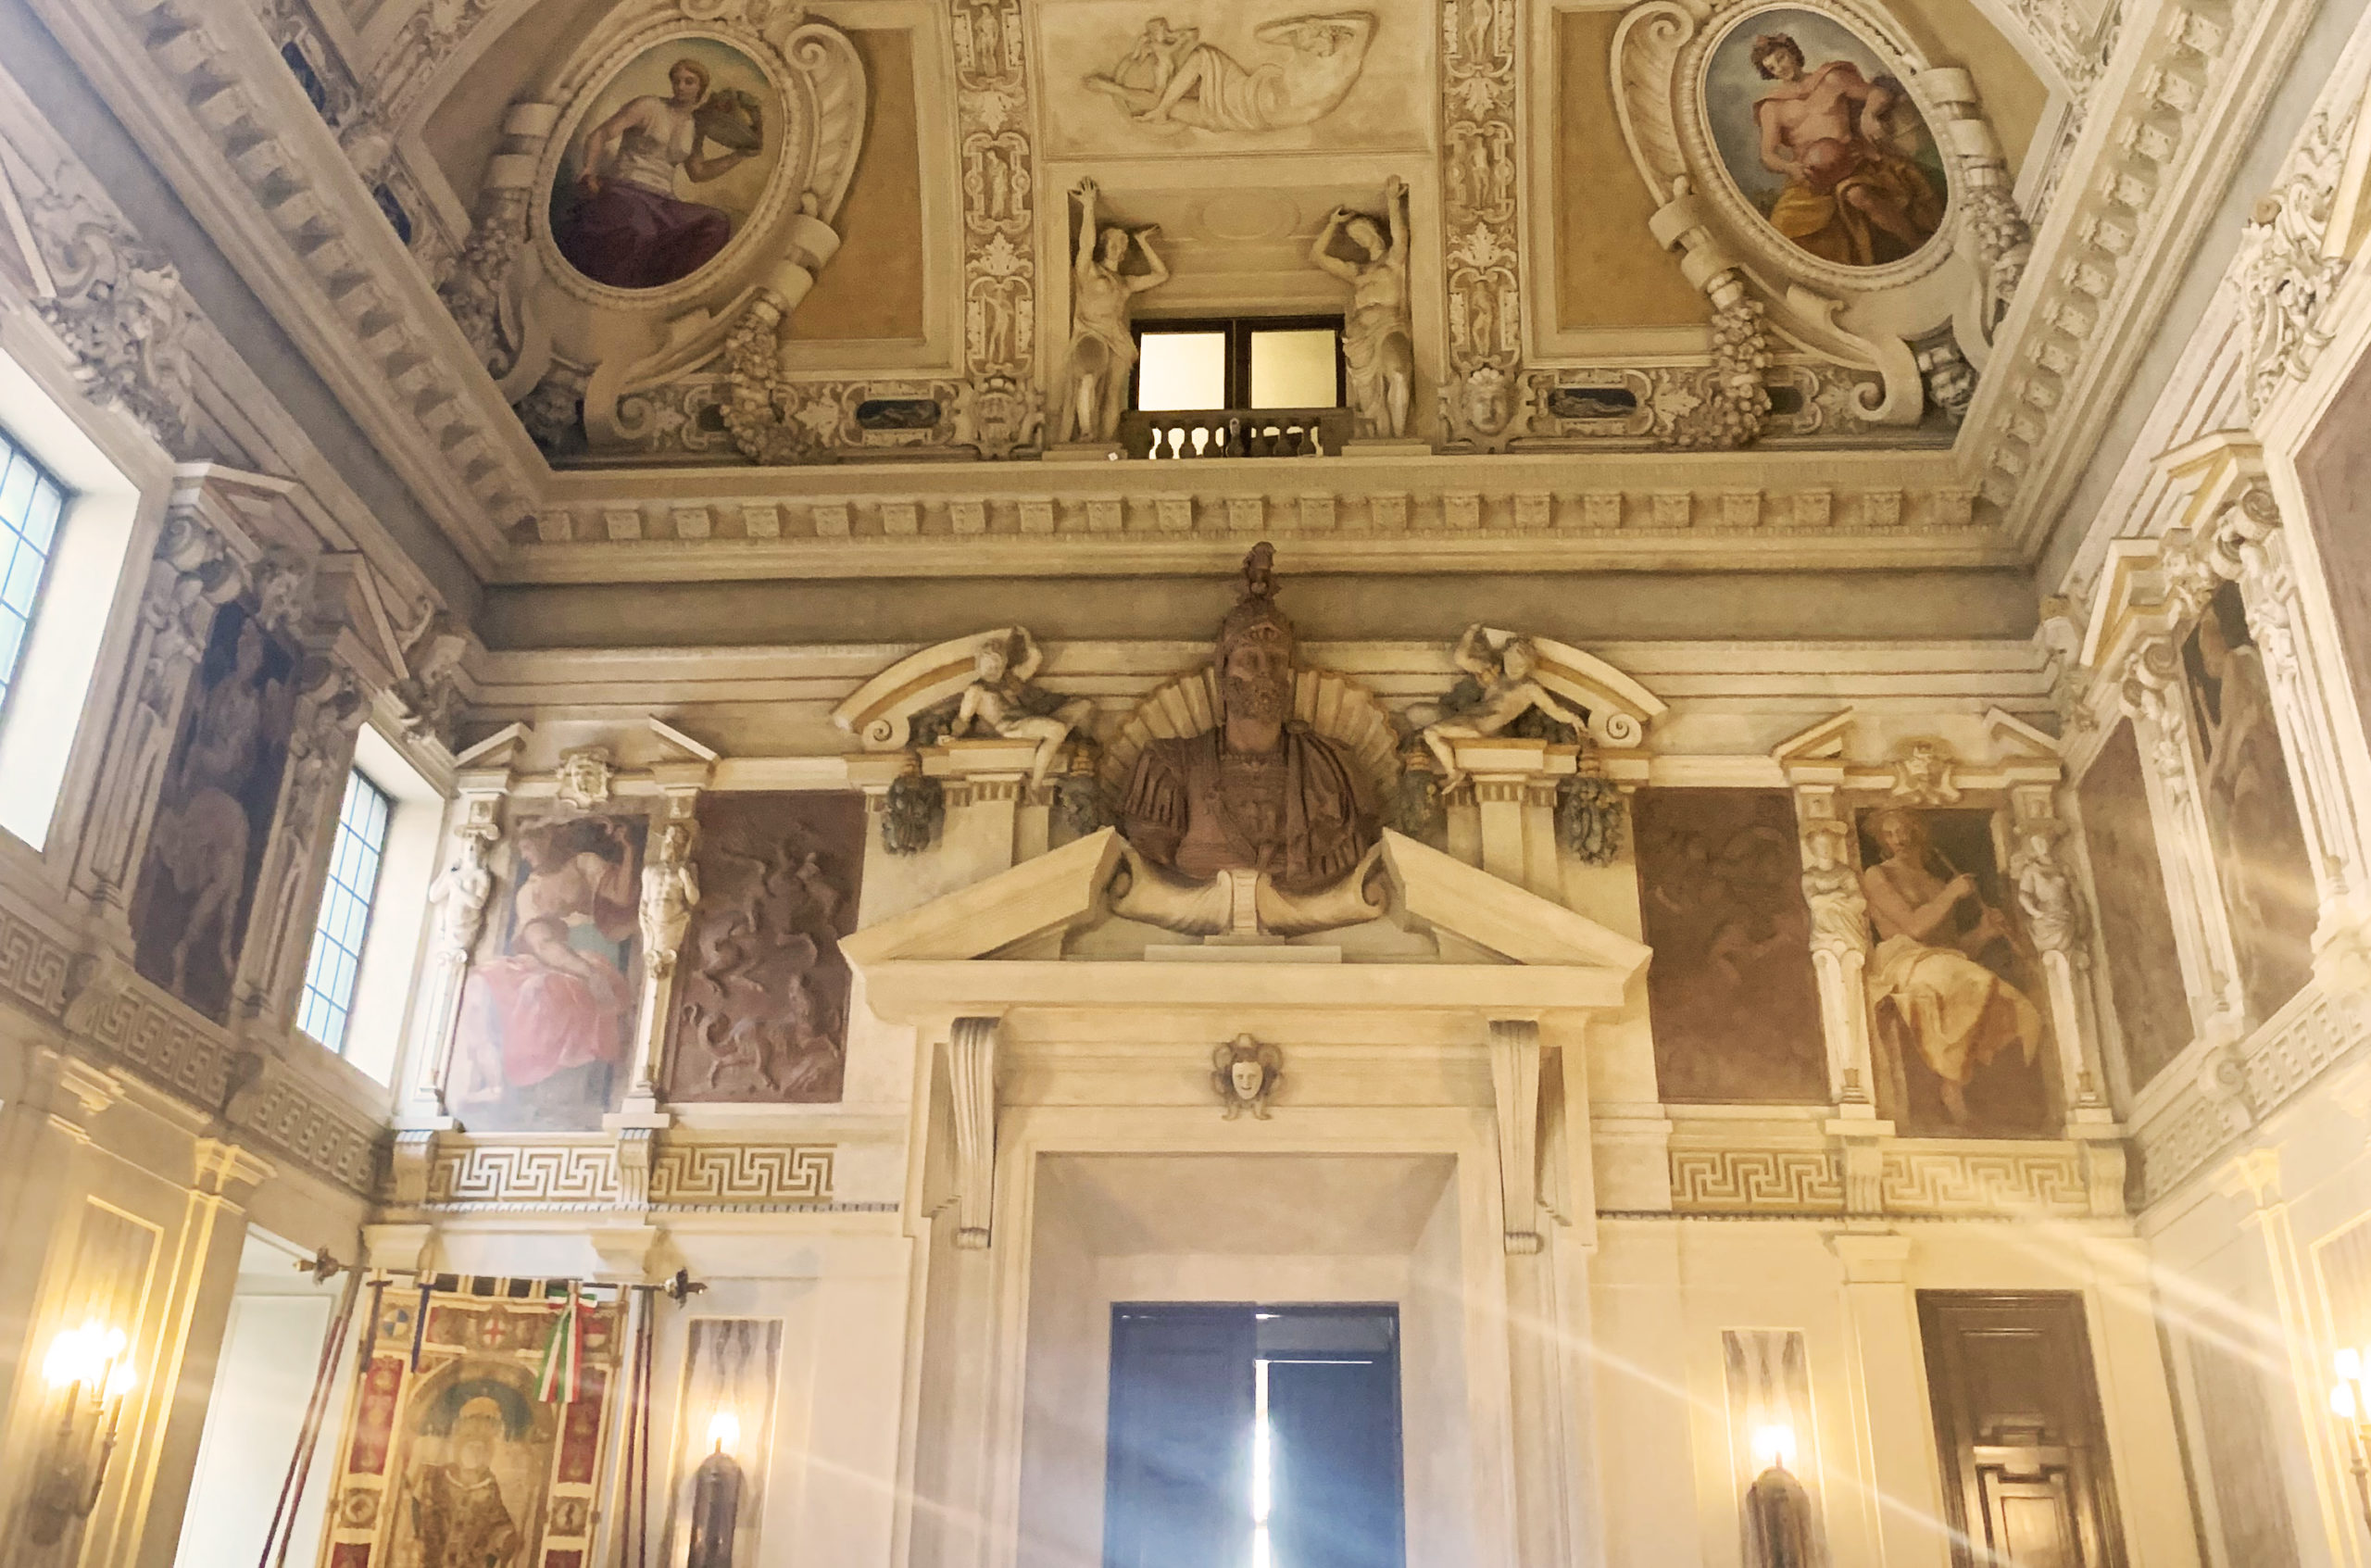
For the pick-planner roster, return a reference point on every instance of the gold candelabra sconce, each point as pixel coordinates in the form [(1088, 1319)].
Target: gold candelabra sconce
[(89, 1371)]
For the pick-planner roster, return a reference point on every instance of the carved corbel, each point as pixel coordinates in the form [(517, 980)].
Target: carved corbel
[(1514, 1082), (972, 1074), (411, 1161)]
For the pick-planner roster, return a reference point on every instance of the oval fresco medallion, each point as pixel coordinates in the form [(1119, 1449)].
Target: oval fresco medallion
[(1823, 140), (669, 161)]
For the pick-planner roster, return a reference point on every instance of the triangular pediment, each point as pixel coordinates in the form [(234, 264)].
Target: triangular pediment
[(994, 940)]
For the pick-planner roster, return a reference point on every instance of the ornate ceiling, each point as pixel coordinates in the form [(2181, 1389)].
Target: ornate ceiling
[(1670, 292)]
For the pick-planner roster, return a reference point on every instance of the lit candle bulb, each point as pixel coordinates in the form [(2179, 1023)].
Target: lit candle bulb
[(716, 1497)]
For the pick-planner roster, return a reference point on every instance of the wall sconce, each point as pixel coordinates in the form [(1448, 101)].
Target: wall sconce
[(88, 1364), (716, 1496), (2351, 1402), (1779, 1532)]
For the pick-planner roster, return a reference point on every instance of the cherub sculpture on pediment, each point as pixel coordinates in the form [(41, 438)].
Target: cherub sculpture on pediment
[(1003, 700), (1510, 690)]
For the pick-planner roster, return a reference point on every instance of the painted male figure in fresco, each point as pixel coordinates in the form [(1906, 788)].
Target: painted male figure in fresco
[(1955, 1012), (1850, 195)]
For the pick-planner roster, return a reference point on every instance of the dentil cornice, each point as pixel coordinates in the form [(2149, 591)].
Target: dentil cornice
[(204, 92), (2172, 118)]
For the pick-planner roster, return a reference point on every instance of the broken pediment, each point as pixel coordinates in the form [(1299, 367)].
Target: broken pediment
[(1043, 934)]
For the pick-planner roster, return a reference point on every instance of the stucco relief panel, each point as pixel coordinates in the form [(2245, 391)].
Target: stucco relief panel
[(1129, 79)]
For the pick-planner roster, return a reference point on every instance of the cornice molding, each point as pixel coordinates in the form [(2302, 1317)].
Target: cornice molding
[(2170, 123), (204, 92)]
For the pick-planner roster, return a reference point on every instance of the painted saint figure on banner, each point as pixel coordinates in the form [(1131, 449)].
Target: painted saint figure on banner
[(196, 892), (547, 1020), (616, 214), (1835, 154), (458, 1516), (1961, 1037), (476, 1464)]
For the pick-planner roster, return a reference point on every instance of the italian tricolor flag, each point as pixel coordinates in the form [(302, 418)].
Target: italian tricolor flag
[(564, 1353)]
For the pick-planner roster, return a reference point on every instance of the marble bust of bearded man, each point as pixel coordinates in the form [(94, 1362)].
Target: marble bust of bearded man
[(1260, 792)]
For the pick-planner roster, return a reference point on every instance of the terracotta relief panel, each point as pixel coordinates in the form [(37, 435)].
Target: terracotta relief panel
[(1960, 1038), (547, 1012), (197, 888), (2136, 927), (2251, 810), (1735, 1007), (761, 991)]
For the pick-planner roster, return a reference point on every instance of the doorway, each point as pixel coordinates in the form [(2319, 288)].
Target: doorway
[(1245, 1435)]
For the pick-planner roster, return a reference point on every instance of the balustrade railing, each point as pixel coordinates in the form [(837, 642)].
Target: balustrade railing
[(1235, 433)]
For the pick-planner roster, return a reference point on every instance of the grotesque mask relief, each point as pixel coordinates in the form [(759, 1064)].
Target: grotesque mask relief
[(1246, 1074), (1259, 823)]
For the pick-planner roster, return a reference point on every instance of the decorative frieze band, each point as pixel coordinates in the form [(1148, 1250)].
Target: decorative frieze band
[(1962, 1179), (580, 1170)]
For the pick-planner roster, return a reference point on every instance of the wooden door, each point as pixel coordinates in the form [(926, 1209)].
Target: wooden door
[(2026, 1475)]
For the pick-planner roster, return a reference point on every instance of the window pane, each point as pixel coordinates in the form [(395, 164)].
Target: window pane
[(345, 918), (1293, 368), (1182, 370), (29, 504)]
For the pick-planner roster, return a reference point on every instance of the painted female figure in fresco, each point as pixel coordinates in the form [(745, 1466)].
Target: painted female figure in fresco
[(629, 228), (1851, 195), (1957, 1014), (545, 1021)]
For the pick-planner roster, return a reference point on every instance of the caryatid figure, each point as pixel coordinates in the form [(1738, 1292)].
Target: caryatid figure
[(1094, 372)]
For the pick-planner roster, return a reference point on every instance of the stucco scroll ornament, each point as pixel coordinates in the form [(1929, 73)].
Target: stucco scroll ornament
[(2153, 692), (2284, 278), (121, 309), (429, 690), (1245, 1072)]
